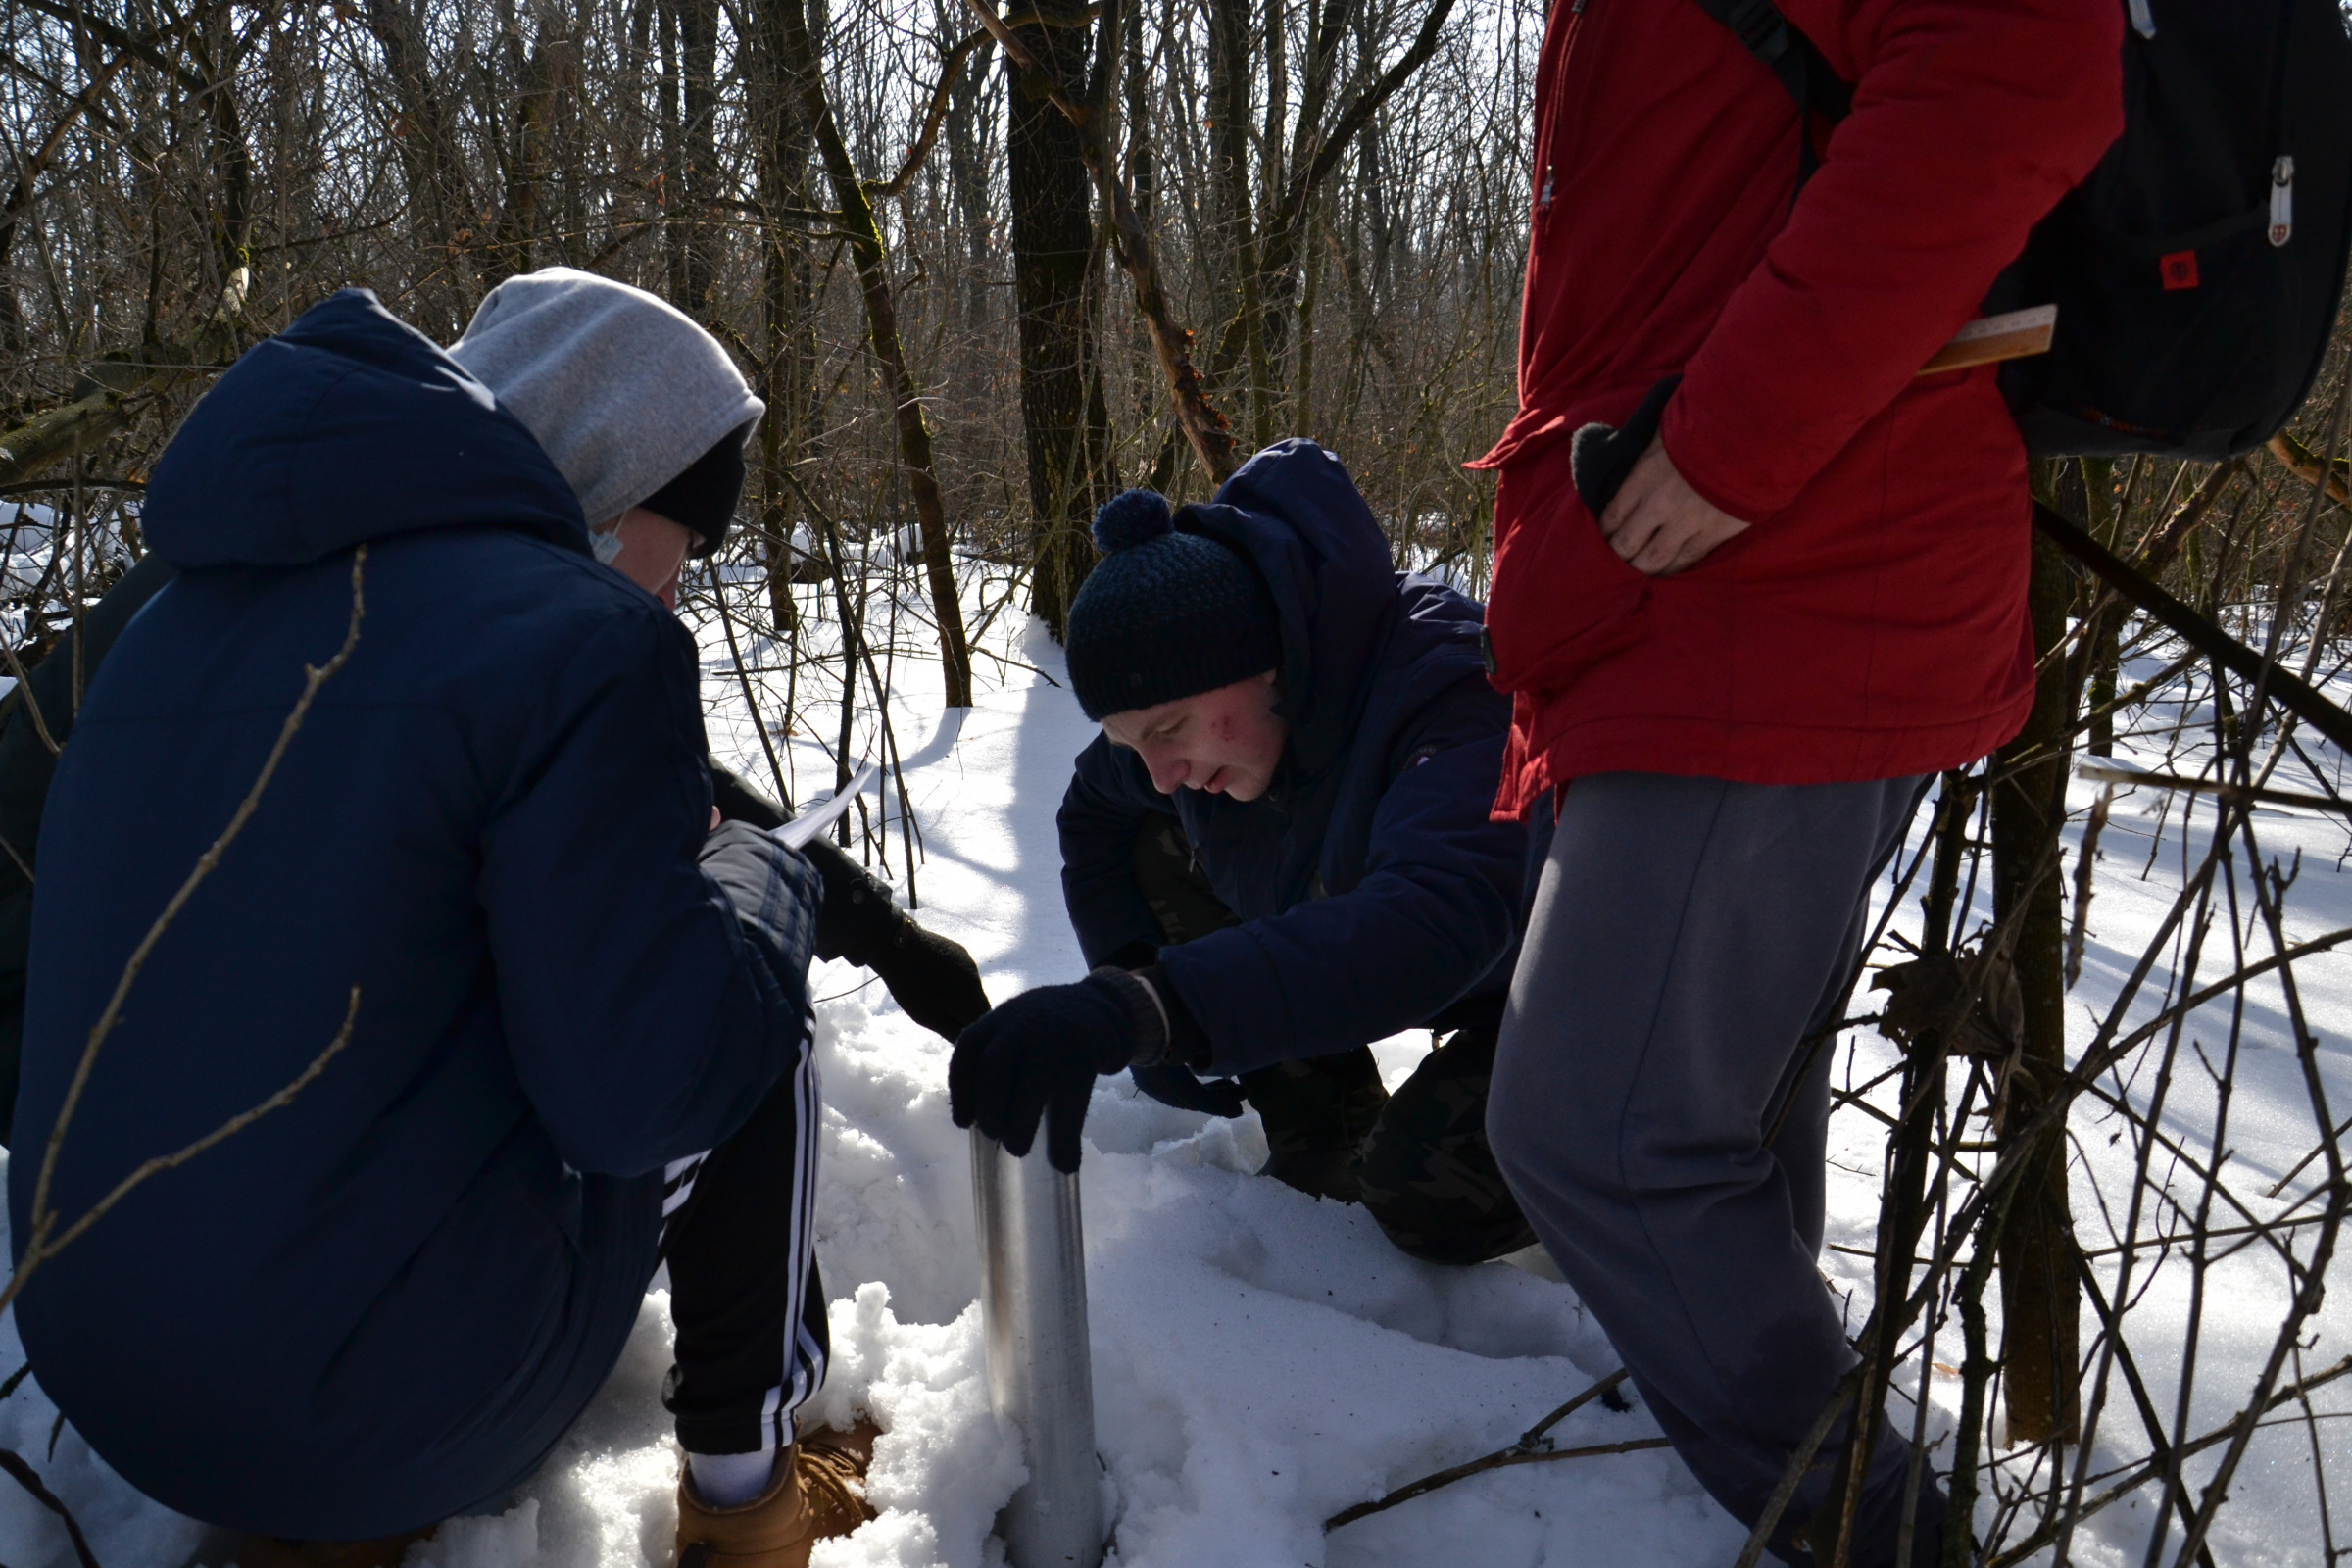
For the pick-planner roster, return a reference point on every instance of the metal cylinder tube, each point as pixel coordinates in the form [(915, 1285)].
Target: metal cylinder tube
[(1040, 1378)]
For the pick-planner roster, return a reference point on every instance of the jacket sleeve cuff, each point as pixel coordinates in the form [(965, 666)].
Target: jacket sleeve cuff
[(1188, 1042), (1147, 1020)]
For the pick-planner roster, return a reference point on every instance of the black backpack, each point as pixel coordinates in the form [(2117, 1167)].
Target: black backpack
[(2197, 270)]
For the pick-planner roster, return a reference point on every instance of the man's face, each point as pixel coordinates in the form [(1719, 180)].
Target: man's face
[(652, 551), (1227, 742)]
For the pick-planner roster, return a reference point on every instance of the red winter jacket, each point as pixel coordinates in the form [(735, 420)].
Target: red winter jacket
[(1872, 623)]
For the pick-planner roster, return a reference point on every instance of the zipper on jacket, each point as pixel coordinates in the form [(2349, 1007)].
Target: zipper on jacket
[(1551, 129), (2282, 166), (2282, 199)]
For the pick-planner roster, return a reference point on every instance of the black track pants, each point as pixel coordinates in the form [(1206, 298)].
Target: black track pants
[(748, 1308)]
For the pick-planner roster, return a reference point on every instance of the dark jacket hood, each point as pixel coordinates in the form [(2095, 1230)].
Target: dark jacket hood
[(1292, 511), (1374, 893), (348, 426)]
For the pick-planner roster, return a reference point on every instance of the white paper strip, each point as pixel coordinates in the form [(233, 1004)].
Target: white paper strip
[(816, 819)]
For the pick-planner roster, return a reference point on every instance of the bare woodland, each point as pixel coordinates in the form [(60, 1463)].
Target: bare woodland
[(987, 269)]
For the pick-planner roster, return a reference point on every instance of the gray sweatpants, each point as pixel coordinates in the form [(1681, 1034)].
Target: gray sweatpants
[(1688, 936)]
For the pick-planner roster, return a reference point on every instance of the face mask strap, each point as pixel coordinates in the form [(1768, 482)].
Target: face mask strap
[(606, 542)]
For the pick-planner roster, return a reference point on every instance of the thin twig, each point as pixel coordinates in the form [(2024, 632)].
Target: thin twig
[(2105, 772), (40, 724), (25, 1476), (1502, 1458), (43, 1218), (227, 1129), (1529, 1449)]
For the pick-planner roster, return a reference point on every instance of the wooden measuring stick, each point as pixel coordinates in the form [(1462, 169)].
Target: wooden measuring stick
[(1989, 339)]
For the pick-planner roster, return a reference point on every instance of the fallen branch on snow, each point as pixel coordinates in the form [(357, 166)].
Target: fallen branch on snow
[(1533, 1447)]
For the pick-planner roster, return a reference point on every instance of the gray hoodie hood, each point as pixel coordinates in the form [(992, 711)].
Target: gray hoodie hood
[(623, 389)]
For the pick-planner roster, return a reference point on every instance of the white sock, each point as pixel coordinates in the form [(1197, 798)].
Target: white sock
[(731, 1480)]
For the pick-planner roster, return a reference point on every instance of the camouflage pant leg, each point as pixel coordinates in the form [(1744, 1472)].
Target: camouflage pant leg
[(1317, 1103), (1179, 891), (1317, 1110), (1426, 1172)]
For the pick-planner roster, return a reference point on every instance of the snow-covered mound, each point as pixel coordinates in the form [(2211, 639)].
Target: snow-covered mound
[(1260, 1360)]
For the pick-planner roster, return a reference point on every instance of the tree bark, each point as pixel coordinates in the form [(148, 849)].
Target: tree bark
[(698, 51), (1063, 421), (788, 365), (2040, 1291)]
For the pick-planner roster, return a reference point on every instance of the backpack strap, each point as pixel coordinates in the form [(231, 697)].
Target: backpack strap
[(1791, 56)]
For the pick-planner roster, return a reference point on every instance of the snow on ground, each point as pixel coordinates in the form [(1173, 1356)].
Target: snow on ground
[(1260, 1360)]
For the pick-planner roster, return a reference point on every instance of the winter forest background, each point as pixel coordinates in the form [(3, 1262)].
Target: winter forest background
[(2090, 1153)]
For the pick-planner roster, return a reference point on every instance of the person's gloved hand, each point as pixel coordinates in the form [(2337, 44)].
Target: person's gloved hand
[(932, 978), (1174, 1084), (1038, 1056)]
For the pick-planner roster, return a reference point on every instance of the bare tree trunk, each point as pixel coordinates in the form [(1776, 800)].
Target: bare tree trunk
[(698, 38), (787, 367), (1230, 38), (2040, 1293), (882, 332), (1062, 416), (674, 217), (440, 211), (534, 62), (969, 183), (1202, 425)]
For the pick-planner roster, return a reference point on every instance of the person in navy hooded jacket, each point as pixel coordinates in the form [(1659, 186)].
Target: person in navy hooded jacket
[(579, 1019), (1278, 851)]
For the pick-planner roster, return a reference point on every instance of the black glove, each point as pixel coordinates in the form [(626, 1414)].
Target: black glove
[(1601, 459), (858, 919), (932, 978), (1172, 1084), (1039, 1055)]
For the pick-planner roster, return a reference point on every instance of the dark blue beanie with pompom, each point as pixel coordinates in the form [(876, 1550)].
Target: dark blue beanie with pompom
[(1164, 614)]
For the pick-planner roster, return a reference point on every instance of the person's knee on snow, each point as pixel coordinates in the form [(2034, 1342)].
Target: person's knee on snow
[(1426, 1173)]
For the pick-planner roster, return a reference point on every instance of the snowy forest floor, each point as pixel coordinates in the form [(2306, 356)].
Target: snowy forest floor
[(1262, 1360)]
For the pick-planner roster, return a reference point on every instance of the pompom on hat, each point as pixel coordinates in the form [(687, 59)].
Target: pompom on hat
[(1166, 615)]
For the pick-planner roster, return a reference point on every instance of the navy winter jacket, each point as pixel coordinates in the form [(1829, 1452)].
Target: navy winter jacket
[(384, 1303), (1374, 891)]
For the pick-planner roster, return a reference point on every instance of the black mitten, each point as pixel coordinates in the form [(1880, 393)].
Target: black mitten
[(934, 980), (858, 919), (1038, 1056)]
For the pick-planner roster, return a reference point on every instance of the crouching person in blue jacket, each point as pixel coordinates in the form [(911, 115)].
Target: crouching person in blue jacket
[(577, 1005), (1277, 850)]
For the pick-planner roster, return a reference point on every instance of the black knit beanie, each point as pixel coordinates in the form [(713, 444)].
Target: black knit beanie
[(1165, 614), (704, 497)]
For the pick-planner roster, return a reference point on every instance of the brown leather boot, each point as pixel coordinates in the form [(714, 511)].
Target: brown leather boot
[(269, 1551), (818, 1492)]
